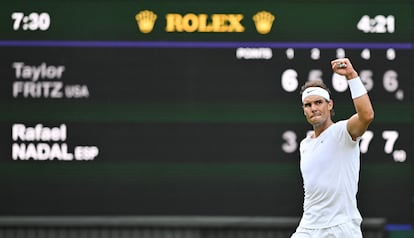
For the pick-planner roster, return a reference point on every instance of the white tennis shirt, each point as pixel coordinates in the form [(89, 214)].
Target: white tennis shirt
[(330, 169)]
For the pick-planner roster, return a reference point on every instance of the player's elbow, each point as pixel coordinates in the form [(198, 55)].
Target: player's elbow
[(368, 116)]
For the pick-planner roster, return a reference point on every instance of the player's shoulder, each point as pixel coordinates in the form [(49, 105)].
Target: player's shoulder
[(339, 125), (339, 129)]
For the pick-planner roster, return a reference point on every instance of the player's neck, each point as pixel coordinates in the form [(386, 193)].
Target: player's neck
[(318, 129)]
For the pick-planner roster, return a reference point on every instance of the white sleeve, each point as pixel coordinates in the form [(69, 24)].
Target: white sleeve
[(344, 136)]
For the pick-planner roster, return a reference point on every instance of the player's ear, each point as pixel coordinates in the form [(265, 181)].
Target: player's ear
[(330, 104)]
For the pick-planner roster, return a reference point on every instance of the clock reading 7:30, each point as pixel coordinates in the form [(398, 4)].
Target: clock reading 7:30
[(32, 22)]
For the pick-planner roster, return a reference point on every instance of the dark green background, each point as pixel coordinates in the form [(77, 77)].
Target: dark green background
[(194, 130)]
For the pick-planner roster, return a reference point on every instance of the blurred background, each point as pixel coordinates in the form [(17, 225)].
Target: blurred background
[(121, 117)]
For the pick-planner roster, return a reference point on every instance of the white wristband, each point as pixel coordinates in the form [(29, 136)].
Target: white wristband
[(356, 87)]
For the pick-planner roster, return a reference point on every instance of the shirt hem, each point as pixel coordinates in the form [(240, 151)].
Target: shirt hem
[(359, 220)]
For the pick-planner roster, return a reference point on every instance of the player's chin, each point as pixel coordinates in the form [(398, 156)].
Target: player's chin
[(312, 120)]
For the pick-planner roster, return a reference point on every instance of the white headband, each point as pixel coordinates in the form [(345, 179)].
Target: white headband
[(317, 91)]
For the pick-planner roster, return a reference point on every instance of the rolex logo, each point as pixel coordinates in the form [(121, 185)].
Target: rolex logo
[(263, 21), (146, 21)]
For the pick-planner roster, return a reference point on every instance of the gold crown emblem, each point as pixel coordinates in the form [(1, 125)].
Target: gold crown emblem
[(146, 21), (263, 21)]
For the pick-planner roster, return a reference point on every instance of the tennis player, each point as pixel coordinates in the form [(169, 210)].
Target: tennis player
[(330, 159)]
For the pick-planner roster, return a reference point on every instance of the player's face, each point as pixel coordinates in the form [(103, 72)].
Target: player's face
[(317, 110)]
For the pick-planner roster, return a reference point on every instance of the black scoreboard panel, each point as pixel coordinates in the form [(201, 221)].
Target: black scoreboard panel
[(183, 107)]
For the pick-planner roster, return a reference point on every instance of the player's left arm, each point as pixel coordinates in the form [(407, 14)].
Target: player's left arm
[(359, 122)]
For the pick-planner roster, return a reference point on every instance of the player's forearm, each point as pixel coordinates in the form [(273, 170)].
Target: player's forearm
[(364, 109), (360, 97)]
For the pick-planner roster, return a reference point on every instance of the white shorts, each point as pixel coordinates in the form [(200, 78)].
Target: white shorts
[(346, 230)]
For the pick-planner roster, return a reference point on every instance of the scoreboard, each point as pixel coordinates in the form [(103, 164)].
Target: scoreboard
[(192, 107)]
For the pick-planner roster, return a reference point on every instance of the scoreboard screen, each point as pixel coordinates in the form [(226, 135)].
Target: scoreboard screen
[(183, 107)]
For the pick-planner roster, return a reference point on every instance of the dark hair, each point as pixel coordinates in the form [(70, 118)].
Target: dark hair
[(317, 83)]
